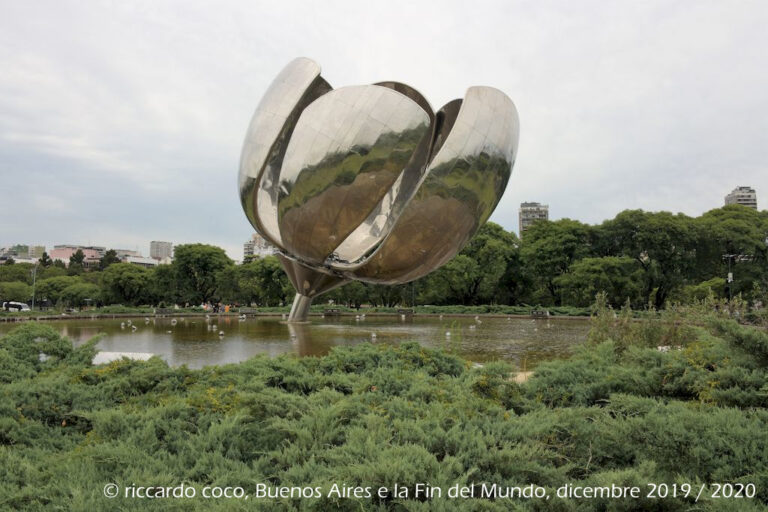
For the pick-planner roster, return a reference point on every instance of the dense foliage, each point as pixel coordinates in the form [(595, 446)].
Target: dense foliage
[(648, 259), (618, 412)]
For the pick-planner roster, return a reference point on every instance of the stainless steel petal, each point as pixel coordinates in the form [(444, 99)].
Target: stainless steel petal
[(463, 184), (362, 242), (347, 150), (297, 85)]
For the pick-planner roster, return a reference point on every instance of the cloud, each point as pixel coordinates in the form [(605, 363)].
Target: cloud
[(122, 123)]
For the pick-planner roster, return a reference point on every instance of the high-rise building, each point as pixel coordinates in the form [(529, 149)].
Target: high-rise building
[(530, 213), (745, 196), (21, 251), (160, 250), (36, 251), (257, 247)]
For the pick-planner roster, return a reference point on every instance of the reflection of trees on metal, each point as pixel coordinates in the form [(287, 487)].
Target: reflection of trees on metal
[(366, 182)]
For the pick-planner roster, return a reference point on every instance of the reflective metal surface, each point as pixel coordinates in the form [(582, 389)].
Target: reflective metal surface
[(366, 182)]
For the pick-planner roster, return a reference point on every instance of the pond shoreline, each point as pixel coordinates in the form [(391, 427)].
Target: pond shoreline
[(96, 316)]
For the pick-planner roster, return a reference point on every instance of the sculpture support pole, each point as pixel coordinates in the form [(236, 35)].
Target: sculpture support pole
[(300, 308)]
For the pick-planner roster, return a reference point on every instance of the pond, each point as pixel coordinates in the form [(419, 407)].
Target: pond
[(196, 342)]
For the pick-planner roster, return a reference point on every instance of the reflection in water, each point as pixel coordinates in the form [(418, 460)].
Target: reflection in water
[(195, 341)]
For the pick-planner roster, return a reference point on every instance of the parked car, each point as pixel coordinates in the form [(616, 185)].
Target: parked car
[(18, 306)]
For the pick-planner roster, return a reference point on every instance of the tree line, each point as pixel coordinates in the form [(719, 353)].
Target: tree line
[(646, 259)]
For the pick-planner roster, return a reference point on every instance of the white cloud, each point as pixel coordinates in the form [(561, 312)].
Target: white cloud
[(141, 107)]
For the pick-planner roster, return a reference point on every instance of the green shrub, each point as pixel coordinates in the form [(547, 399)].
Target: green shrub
[(376, 415)]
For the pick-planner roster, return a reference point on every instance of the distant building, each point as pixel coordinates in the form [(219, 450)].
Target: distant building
[(124, 253), (160, 250), (257, 247), (92, 253), (141, 261), (745, 196), (22, 252), (530, 213)]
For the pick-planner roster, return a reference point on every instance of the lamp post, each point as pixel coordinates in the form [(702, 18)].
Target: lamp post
[(736, 258), (34, 281)]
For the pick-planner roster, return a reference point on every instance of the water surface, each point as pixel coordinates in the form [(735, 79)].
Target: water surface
[(196, 342)]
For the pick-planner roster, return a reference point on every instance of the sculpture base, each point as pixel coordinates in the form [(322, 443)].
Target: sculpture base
[(300, 309), (311, 282)]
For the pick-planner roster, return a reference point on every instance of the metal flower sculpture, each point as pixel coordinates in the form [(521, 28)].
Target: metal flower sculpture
[(366, 182)]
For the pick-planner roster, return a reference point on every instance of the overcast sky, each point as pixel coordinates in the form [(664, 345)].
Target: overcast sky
[(122, 122)]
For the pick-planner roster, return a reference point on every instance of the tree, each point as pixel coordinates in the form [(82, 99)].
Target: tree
[(693, 292), (9, 261), (50, 289), (353, 294), (163, 285), (264, 281), (737, 231), (550, 248), (15, 291), (76, 263), (662, 243), (227, 284), (620, 278), (480, 274), (108, 259), (77, 258), (45, 260), (51, 271), (81, 294), (453, 282), (195, 267), (385, 295), (124, 283), (18, 272)]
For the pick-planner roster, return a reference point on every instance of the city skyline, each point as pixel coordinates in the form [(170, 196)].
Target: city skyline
[(121, 125), (238, 253)]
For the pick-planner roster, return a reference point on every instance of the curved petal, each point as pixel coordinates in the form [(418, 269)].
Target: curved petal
[(463, 184), (348, 148), (368, 235), (297, 85)]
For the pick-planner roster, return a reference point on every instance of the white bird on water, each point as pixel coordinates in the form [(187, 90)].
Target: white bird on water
[(122, 325), (221, 334), (448, 334), (373, 335), (133, 328)]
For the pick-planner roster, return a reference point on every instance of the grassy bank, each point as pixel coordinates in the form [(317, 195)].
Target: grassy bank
[(618, 412), (317, 309)]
